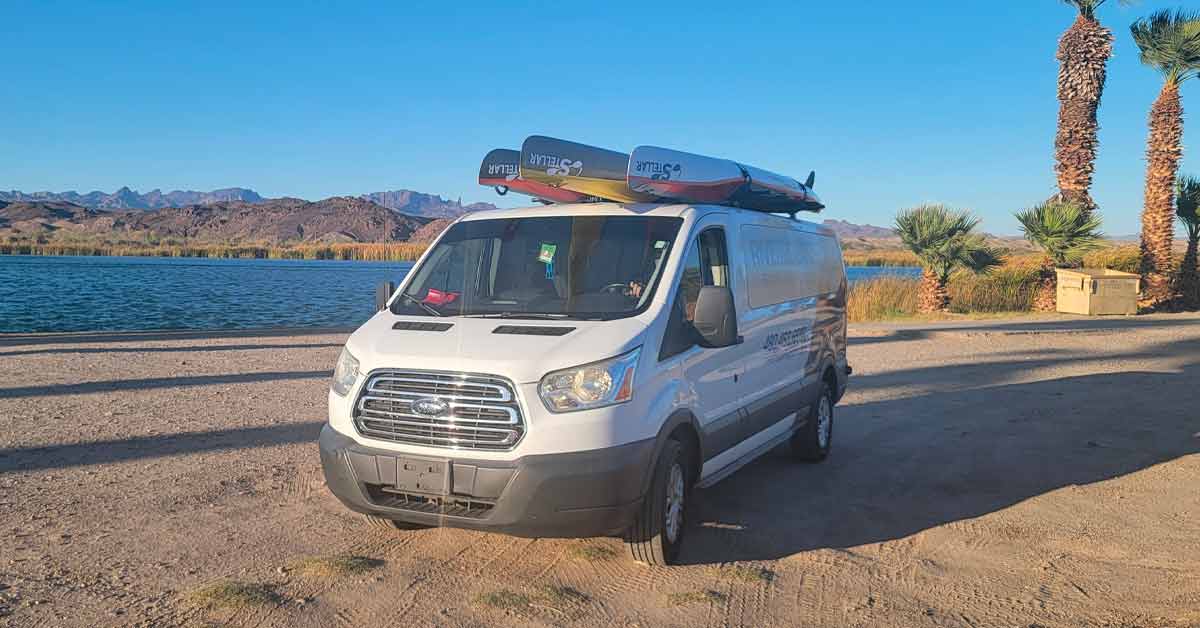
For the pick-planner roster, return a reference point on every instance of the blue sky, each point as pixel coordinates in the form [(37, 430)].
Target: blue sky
[(892, 104)]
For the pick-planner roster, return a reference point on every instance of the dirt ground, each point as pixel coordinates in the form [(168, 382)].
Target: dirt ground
[(1015, 473)]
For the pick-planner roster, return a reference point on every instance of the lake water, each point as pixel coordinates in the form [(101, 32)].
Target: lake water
[(54, 294)]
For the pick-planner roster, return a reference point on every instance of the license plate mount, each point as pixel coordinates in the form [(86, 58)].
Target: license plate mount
[(426, 476)]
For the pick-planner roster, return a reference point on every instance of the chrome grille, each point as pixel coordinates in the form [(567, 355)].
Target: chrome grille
[(482, 410)]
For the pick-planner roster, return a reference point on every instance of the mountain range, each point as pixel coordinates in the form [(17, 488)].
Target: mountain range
[(273, 221), (126, 198), (404, 201), (241, 215)]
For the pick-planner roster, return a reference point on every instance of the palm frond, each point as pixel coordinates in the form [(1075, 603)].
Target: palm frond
[(1169, 42), (1087, 8), (943, 239), (1187, 203), (1065, 230)]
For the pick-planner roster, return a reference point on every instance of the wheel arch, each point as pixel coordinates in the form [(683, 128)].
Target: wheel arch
[(682, 425), (829, 374)]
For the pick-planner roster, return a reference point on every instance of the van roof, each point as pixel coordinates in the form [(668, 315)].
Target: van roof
[(674, 210), (584, 209)]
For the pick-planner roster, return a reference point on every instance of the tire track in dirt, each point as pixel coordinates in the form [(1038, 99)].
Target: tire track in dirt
[(747, 596), (811, 596), (436, 563), (306, 483), (821, 594), (572, 566), (367, 542)]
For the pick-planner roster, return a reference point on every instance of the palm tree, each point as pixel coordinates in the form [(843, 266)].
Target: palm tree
[(1187, 208), (943, 240), (1066, 231), (1083, 52), (1170, 43)]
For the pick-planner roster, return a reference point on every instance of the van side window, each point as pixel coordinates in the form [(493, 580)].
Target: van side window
[(706, 263), (713, 260), (690, 283)]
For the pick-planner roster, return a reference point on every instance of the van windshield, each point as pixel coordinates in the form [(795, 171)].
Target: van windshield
[(586, 267)]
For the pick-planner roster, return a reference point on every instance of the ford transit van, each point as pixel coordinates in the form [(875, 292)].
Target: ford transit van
[(577, 370)]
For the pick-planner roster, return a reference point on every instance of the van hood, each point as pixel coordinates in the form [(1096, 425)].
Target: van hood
[(471, 345)]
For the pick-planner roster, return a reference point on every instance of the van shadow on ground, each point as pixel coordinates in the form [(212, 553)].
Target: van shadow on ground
[(906, 465), (26, 459)]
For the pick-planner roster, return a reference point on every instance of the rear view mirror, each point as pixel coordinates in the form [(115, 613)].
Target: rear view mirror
[(716, 317), (383, 294)]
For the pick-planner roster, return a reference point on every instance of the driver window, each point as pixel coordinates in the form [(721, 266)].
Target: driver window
[(705, 264), (690, 282)]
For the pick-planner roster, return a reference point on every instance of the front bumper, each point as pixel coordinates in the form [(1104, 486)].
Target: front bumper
[(577, 494)]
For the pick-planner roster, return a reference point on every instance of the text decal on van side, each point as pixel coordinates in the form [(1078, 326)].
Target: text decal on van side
[(784, 341)]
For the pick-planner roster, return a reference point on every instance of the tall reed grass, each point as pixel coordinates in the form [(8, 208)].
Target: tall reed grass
[(1010, 288), (1124, 258), (882, 298), (880, 258)]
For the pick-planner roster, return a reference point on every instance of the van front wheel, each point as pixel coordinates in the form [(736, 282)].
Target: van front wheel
[(657, 533), (812, 442)]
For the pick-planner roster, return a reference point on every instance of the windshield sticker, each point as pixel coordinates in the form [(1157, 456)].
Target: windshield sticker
[(546, 255), (658, 244)]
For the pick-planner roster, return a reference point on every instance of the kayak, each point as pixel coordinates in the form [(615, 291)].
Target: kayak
[(578, 167), (559, 171), (501, 170), (687, 177)]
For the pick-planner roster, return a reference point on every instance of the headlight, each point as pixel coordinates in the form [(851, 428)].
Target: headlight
[(592, 385), (344, 374)]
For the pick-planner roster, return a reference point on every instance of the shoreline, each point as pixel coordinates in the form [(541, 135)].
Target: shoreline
[(364, 252), (853, 260)]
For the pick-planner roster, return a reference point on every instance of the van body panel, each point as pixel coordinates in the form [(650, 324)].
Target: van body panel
[(585, 472), (472, 346), (788, 320), (713, 376), (736, 455), (592, 493)]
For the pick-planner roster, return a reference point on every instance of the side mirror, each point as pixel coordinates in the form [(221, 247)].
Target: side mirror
[(716, 317), (383, 294)]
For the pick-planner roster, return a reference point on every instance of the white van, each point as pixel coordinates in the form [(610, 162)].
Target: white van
[(576, 370)]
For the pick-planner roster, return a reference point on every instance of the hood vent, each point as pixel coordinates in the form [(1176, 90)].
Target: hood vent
[(421, 326), (530, 330)]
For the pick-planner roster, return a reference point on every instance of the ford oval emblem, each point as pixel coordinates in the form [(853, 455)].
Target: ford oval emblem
[(430, 407)]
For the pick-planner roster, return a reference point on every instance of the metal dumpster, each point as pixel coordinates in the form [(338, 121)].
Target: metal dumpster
[(1097, 291)]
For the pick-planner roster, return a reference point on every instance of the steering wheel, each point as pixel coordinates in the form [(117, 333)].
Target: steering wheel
[(615, 288)]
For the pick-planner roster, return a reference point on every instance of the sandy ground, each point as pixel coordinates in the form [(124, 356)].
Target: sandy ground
[(1015, 473)]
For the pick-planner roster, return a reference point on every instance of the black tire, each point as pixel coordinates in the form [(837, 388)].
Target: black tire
[(808, 444), (649, 539), (392, 524)]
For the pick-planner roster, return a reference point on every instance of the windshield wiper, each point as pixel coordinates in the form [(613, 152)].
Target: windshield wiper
[(537, 315), (424, 306)]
